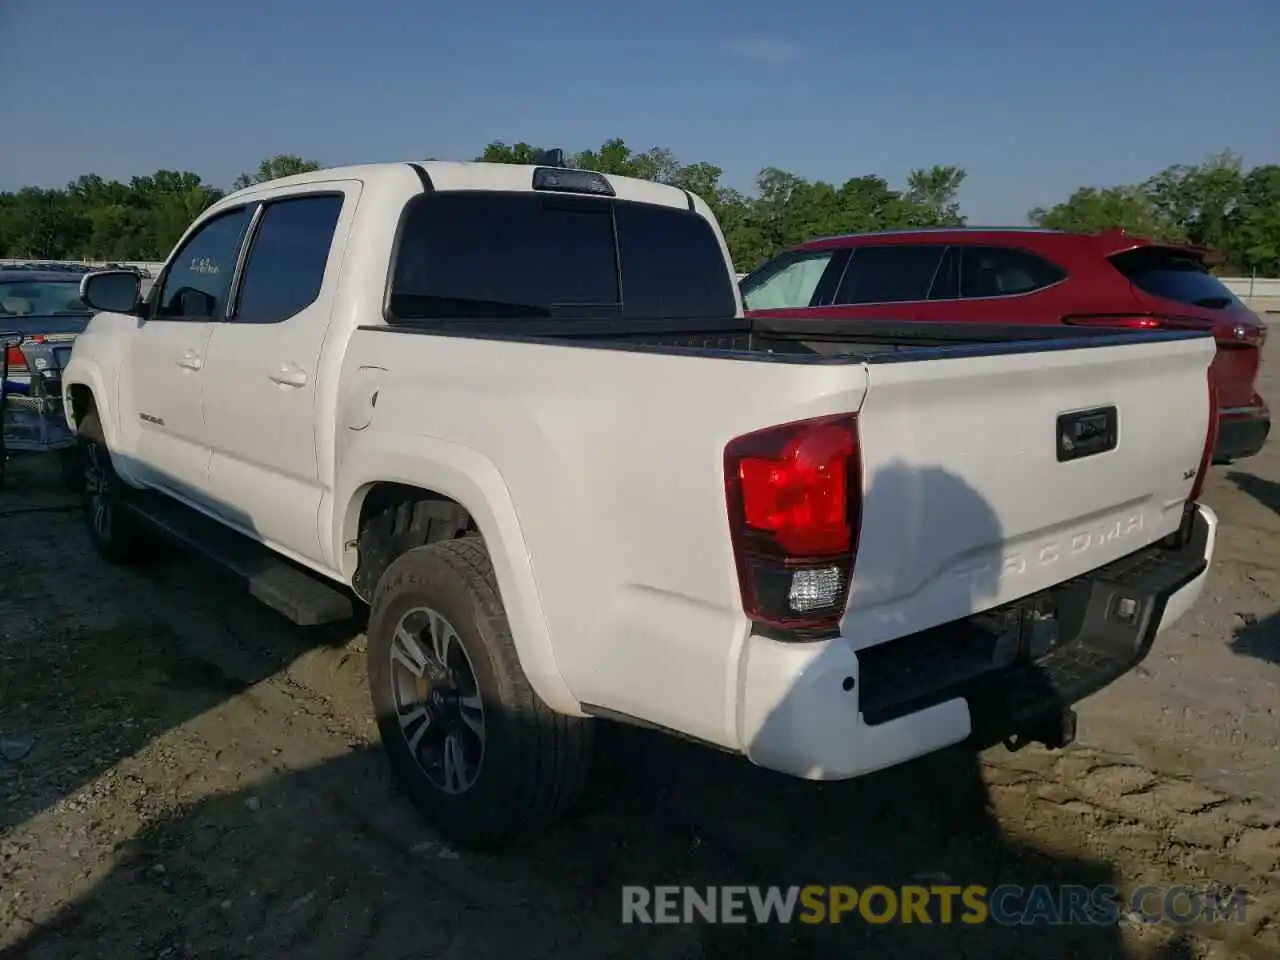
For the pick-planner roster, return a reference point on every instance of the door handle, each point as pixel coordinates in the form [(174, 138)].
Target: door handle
[(190, 360), (289, 375)]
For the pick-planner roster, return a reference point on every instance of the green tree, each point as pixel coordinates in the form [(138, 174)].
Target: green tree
[(499, 152), (1095, 209), (1201, 202), (1258, 246), (936, 192), (282, 165)]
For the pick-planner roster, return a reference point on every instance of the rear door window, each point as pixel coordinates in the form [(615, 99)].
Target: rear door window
[(890, 274), (1174, 276), (287, 257), (493, 255), (946, 282), (1004, 272)]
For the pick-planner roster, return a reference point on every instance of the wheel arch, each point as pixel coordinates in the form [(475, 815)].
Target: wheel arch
[(84, 388), (463, 490)]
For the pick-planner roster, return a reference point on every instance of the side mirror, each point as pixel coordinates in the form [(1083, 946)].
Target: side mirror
[(115, 291)]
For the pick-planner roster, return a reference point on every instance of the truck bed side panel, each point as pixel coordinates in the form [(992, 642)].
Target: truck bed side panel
[(613, 460)]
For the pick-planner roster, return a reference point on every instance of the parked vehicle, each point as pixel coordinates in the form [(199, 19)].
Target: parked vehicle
[(518, 410), (31, 415), (39, 305), (1028, 276)]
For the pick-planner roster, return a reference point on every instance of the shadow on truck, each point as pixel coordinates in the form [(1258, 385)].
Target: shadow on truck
[(331, 861)]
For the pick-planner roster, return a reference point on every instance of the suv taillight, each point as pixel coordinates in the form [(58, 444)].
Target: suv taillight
[(794, 496), (1123, 322), (1210, 441)]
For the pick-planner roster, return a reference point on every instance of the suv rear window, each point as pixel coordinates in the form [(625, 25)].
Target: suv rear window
[(489, 255), (1174, 276)]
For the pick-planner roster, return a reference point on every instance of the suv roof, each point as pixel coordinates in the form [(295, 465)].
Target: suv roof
[(1107, 242)]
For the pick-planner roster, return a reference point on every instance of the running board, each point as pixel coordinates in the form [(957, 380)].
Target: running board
[(298, 594)]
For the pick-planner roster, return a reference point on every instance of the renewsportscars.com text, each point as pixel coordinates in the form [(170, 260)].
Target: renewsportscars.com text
[(1007, 905)]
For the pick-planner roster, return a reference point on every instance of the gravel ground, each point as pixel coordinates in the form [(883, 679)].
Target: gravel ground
[(184, 775)]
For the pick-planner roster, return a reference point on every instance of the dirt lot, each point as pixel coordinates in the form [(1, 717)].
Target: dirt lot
[(182, 775)]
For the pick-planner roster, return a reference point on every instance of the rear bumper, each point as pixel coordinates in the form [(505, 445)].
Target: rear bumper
[(822, 711), (1241, 433)]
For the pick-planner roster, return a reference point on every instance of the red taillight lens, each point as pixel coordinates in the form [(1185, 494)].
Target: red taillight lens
[(1210, 442), (793, 494), (17, 361), (800, 495)]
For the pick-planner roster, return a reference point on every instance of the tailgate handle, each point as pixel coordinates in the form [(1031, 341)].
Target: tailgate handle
[(1087, 433)]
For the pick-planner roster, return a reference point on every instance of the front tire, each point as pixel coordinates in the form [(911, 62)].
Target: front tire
[(70, 469), (114, 533), (479, 753)]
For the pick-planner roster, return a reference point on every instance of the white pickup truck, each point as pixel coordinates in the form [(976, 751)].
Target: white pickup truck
[(517, 410)]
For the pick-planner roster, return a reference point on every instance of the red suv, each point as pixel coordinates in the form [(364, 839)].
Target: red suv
[(1028, 276)]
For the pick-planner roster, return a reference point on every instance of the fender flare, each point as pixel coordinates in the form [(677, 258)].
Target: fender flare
[(81, 372), (472, 480)]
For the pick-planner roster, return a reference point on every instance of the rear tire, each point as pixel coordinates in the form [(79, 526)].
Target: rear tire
[(115, 534), (443, 670)]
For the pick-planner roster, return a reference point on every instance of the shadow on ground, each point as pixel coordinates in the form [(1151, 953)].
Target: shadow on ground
[(329, 862), (1258, 637), (1266, 492)]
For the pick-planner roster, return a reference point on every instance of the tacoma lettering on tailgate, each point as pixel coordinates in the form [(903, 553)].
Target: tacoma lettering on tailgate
[(1047, 554)]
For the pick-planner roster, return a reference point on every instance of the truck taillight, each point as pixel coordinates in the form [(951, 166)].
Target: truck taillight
[(794, 497), (1210, 442)]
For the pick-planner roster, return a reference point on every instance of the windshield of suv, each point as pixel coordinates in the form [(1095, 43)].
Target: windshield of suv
[(20, 298), (787, 282), (1174, 276)]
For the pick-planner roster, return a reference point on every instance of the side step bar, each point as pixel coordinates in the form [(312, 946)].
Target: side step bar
[(300, 595)]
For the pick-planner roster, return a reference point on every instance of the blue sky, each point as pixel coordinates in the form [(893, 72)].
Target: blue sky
[(1032, 98)]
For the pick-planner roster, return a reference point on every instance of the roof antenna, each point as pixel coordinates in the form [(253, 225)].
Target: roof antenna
[(549, 158)]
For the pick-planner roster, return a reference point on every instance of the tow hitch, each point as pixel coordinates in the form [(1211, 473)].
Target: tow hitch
[(1054, 732)]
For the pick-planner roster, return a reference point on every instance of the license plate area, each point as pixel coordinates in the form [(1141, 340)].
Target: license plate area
[(1036, 653), (1086, 433)]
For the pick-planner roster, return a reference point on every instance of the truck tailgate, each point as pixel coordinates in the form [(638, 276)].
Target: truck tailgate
[(972, 496)]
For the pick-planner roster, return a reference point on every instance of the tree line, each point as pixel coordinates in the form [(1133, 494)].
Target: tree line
[(1219, 204)]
